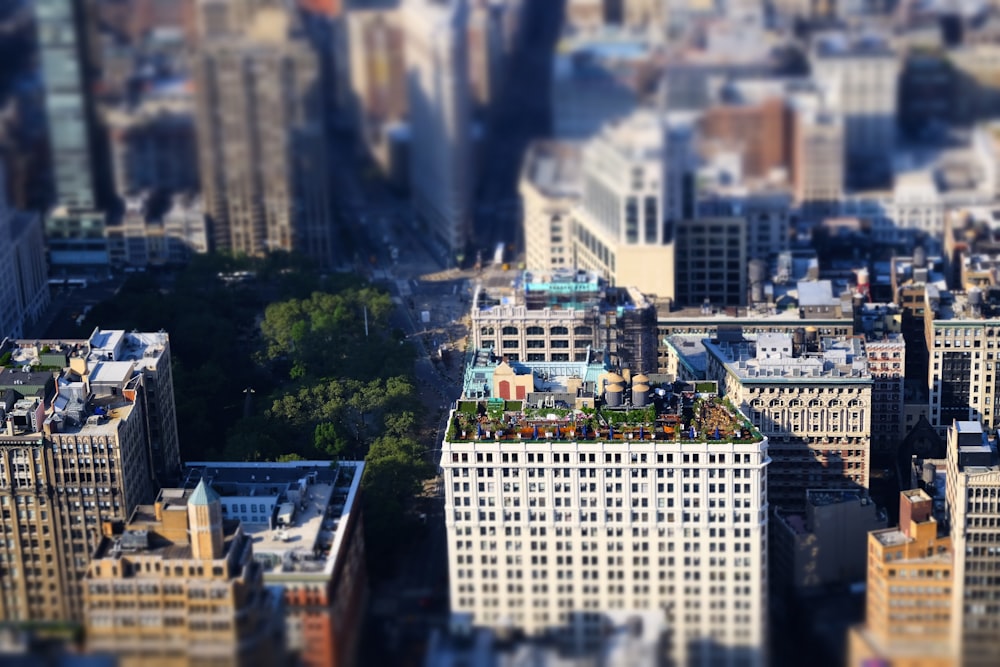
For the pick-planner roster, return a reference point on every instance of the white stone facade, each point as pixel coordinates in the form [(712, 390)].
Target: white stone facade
[(565, 538)]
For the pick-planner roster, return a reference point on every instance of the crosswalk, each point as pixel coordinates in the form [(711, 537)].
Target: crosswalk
[(441, 276)]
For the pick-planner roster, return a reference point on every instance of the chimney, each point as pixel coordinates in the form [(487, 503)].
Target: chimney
[(914, 507)]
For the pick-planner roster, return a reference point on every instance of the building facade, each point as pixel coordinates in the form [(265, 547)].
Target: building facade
[(565, 316), (96, 468), (441, 160), (149, 354), (24, 287), (908, 596), (305, 520), (158, 233), (80, 447), (376, 40), (861, 77), (887, 362), (623, 228), (560, 529), (711, 262), (261, 143), (817, 155), (973, 504), (153, 146), (550, 187), (179, 586), (66, 35), (826, 544), (74, 230), (960, 330), (811, 398)]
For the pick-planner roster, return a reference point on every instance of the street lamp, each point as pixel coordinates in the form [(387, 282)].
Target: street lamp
[(248, 392)]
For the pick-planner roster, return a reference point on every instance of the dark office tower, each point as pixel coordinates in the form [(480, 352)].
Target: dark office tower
[(75, 228), (261, 143), (69, 67)]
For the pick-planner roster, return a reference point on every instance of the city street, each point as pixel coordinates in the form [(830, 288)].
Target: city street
[(431, 307)]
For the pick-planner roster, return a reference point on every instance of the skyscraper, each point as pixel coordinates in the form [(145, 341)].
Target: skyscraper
[(973, 505), (441, 165), (24, 289), (68, 57), (79, 448), (860, 77), (623, 227), (74, 230), (261, 141), (377, 58), (570, 526)]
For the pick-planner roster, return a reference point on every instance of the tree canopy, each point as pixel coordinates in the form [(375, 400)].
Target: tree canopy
[(283, 367)]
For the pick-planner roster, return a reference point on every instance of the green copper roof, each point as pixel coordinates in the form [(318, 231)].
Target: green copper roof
[(203, 494)]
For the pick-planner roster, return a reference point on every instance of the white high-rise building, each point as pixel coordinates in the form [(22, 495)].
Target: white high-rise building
[(558, 526), (624, 224), (441, 163), (549, 186), (973, 501)]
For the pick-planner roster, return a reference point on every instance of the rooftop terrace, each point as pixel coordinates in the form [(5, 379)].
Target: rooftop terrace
[(556, 290), (685, 417), (303, 508)]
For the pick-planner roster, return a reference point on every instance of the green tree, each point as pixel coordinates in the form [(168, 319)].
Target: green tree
[(394, 470), (328, 441)]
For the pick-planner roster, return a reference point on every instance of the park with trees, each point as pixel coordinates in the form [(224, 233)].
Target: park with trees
[(287, 363)]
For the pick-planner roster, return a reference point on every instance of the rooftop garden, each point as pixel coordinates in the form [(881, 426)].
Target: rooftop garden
[(690, 420)]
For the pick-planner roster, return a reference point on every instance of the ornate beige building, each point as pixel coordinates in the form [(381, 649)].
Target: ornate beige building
[(811, 398), (565, 316), (79, 448), (179, 586)]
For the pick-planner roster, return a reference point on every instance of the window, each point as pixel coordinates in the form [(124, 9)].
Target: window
[(509, 331), (559, 331), (535, 331)]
